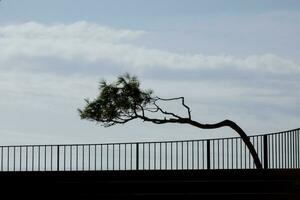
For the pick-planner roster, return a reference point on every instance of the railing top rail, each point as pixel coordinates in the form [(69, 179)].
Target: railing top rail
[(274, 133), (148, 142)]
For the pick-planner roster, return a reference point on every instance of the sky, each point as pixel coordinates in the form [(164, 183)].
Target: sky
[(230, 59)]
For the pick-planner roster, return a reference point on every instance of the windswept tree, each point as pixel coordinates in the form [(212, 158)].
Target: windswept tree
[(124, 101)]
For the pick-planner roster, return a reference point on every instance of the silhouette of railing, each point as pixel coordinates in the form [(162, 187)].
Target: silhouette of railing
[(276, 150)]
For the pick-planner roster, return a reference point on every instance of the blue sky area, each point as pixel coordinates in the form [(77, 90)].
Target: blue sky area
[(229, 58)]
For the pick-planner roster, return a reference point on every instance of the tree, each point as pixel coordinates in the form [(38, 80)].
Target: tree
[(124, 101)]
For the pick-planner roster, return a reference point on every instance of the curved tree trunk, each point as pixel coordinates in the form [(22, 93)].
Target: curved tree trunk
[(238, 129)]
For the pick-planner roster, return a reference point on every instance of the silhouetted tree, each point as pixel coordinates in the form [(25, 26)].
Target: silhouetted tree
[(123, 101)]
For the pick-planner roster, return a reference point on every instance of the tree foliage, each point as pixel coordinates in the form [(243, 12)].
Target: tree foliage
[(117, 102)]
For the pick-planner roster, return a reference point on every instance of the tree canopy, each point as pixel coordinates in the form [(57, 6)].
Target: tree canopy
[(117, 102), (123, 100)]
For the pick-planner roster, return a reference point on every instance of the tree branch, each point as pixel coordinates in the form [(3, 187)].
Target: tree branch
[(182, 102), (165, 112)]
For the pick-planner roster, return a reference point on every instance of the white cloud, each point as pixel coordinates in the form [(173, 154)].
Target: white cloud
[(91, 43), (34, 100)]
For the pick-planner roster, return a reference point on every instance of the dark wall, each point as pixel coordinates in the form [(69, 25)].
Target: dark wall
[(189, 184)]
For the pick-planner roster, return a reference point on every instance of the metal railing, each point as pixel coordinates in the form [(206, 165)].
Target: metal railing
[(276, 150)]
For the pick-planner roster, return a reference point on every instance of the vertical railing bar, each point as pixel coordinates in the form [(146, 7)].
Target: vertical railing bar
[(227, 160), (273, 151), (270, 145), (282, 150), (198, 156), (26, 158), (245, 156), (283, 144), (20, 156), (276, 152), (176, 155), (89, 157), (259, 140), (160, 156), (265, 144), (14, 158), (236, 153), (64, 157), (298, 152), (288, 149), (223, 153), (39, 158), (101, 161), (131, 156), (83, 146), (119, 156), (249, 157), (95, 154), (203, 159), (125, 160), (208, 153), (107, 153), (171, 143), (77, 155), (232, 153), (113, 158), (71, 158), (32, 158), (137, 156), (101, 158), (280, 140), (149, 153), (154, 156), (213, 154), (298, 142), (218, 153), (57, 157), (1, 158), (257, 149), (192, 154), (51, 157), (166, 155), (45, 160), (182, 155), (8, 159), (143, 156), (187, 156), (293, 149), (241, 149)]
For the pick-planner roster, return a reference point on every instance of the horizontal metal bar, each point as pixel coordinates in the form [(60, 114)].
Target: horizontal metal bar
[(145, 142)]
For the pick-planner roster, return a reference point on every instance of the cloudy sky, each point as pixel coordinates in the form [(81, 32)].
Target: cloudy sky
[(230, 59)]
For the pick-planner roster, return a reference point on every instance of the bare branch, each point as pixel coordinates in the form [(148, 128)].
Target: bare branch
[(182, 101), (165, 112)]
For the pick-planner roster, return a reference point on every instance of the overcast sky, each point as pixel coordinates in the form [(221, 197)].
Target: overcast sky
[(230, 59)]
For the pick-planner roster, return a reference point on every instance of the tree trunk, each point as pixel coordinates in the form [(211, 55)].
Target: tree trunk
[(238, 129)]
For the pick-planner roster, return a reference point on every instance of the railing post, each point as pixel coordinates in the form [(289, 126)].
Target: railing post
[(265, 140), (57, 157), (137, 156), (208, 153)]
